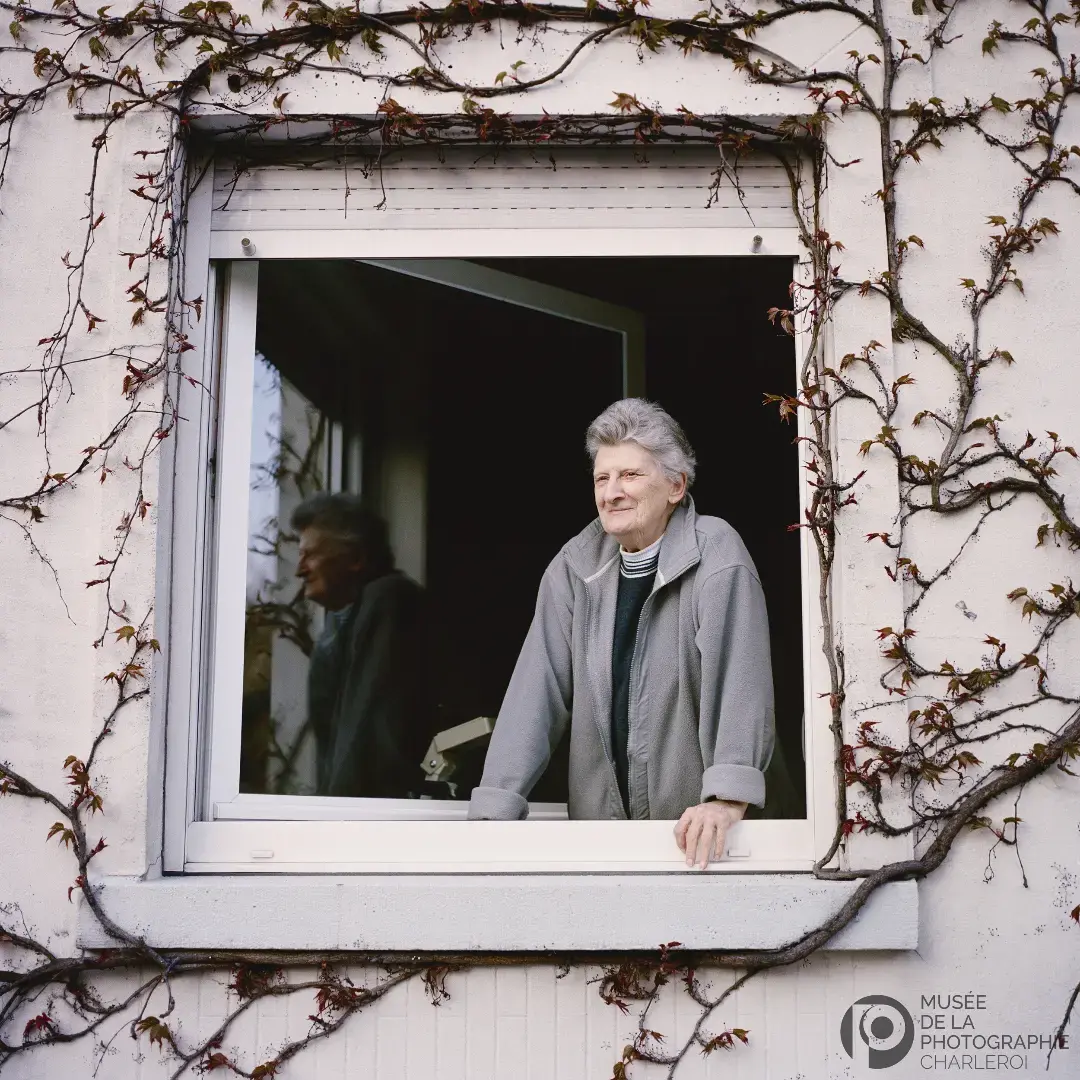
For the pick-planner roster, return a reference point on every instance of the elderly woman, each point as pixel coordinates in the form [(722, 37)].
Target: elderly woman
[(651, 640)]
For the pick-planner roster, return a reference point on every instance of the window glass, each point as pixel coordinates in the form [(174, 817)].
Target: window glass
[(290, 447)]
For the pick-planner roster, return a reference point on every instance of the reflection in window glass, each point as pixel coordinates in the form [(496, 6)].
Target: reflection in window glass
[(289, 449)]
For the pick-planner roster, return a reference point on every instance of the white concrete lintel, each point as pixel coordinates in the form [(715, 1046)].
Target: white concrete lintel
[(505, 913)]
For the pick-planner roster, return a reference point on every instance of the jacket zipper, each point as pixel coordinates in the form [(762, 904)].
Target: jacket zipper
[(642, 622), (591, 633)]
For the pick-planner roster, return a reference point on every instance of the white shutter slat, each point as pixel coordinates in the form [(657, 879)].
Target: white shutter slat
[(497, 198), (468, 188)]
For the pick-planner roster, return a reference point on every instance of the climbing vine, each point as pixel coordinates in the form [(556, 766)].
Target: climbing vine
[(977, 732)]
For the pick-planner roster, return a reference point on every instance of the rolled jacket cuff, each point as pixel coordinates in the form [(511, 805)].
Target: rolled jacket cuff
[(497, 804), (735, 783)]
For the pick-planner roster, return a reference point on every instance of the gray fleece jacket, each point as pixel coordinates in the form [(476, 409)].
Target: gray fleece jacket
[(701, 694)]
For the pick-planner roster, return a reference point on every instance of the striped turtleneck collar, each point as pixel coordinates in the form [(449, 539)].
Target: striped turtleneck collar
[(638, 564)]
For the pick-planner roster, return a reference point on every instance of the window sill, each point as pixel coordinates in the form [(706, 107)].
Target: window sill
[(508, 913)]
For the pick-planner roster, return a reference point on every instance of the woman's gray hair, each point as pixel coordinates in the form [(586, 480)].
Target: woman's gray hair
[(652, 428)]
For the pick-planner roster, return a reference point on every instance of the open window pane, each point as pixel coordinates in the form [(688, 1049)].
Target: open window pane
[(420, 380), (452, 397)]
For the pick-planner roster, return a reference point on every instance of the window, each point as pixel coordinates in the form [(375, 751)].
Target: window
[(386, 364)]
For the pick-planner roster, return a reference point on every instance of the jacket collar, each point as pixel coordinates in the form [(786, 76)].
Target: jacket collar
[(592, 551)]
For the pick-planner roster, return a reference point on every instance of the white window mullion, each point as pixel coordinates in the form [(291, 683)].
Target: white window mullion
[(233, 484), (183, 553)]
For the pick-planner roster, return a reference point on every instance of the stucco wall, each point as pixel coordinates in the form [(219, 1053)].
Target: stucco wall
[(1003, 938)]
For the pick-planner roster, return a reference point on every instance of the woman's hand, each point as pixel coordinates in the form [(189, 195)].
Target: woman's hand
[(701, 831)]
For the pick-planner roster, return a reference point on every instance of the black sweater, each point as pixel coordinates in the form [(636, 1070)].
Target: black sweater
[(635, 584)]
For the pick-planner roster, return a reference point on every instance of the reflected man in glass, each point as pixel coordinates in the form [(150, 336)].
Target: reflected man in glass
[(651, 640), (366, 680)]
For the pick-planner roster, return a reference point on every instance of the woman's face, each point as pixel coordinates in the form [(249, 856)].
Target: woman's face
[(633, 496)]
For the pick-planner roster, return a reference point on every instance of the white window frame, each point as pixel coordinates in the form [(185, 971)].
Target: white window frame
[(209, 828)]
